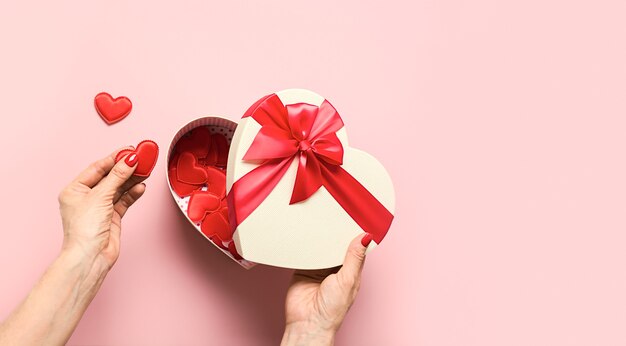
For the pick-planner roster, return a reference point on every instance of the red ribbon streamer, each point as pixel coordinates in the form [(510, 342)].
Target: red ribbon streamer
[(306, 133)]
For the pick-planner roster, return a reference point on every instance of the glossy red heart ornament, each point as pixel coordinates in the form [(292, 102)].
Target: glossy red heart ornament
[(188, 171), (147, 154), (112, 110)]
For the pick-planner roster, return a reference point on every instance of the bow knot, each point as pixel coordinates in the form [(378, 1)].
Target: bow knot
[(300, 132), (305, 145)]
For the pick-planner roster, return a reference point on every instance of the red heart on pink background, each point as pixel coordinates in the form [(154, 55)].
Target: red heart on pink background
[(111, 109), (147, 154)]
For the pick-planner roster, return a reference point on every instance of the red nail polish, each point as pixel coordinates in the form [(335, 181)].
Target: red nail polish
[(131, 159), (367, 239)]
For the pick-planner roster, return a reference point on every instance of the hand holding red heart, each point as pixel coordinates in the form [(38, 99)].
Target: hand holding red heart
[(92, 207)]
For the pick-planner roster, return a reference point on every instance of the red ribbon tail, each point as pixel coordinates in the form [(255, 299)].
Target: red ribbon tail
[(249, 191), (357, 201)]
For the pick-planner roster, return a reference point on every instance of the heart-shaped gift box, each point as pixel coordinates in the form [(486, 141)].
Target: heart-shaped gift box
[(292, 194)]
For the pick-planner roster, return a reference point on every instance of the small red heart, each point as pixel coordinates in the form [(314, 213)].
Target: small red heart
[(216, 224), (197, 142), (216, 181), (179, 187), (220, 144), (211, 158), (147, 154), (112, 110), (202, 203), (188, 171), (218, 152)]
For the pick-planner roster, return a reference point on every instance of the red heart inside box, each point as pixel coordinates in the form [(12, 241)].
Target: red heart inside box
[(196, 172)]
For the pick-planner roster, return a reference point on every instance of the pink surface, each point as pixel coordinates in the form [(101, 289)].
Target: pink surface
[(502, 123)]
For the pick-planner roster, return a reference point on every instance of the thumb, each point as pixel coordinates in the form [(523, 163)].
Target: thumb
[(352, 267), (119, 174)]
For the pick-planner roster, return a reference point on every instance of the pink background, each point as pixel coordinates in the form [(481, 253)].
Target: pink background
[(503, 125)]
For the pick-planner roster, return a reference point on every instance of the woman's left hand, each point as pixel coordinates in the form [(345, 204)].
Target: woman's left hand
[(92, 207)]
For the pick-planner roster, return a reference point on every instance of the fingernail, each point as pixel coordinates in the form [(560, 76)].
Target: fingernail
[(131, 160), (367, 239)]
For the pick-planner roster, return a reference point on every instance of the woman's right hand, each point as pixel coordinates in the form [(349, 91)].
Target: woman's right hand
[(318, 300)]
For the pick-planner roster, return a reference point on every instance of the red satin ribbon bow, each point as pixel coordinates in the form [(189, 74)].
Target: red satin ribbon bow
[(305, 133)]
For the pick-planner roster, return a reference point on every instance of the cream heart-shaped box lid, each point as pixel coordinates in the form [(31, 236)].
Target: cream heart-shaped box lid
[(313, 233)]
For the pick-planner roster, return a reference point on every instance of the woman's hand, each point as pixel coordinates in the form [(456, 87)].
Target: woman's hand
[(92, 207), (318, 300)]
